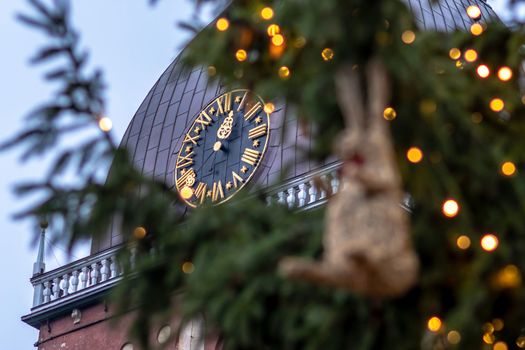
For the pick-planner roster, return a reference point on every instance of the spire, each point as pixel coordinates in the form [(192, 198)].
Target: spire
[(39, 266)]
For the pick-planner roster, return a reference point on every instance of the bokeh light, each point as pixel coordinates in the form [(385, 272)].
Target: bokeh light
[(489, 242), (450, 208)]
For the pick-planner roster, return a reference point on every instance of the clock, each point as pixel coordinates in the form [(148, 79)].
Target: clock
[(222, 148)]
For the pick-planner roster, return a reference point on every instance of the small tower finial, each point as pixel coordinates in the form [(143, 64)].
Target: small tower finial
[(39, 266)]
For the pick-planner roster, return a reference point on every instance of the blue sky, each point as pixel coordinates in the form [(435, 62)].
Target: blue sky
[(133, 43)]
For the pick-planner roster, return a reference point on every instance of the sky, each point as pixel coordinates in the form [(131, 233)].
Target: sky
[(133, 43)]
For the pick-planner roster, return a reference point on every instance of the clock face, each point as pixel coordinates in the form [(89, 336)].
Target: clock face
[(222, 148)]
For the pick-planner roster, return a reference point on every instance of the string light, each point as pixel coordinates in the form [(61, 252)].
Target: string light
[(488, 338), (509, 277), (434, 324), (241, 55), (483, 71), (489, 242), (453, 337), (408, 37), (500, 346), (300, 42), (414, 155), (278, 40), (284, 72), (327, 54), (450, 208), (487, 327), (497, 104), (139, 232), (508, 168), (498, 324), (454, 53), (188, 267), (459, 64), (520, 342), (471, 55), (212, 71), (273, 29), (105, 124), (389, 113), (463, 242), (474, 12), (222, 24), (504, 74), (267, 13), (476, 29), (269, 108)]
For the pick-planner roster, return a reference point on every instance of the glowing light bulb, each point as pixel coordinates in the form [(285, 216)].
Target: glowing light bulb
[(241, 55), (284, 72), (105, 124), (212, 71), (454, 53), (414, 155), (389, 113), (327, 54), (497, 104), (476, 29), (453, 337), (139, 232), (520, 342), (473, 12), (500, 346), (463, 242), (508, 168), (408, 37), (267, 13), (269, 108), (483, 71), (498, 324), (278, 40), (471, 55), (450, 208), (434, 324), (188, 267), (222, 24), (504, 74), (489, 242), (273, 30)]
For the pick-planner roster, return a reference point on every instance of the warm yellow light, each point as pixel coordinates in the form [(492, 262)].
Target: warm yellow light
[(463, 242), (269, 108), (459, 64), (434, 324), (487, 327), (498, 324), (414, 155), (483, 71), (222, 24), (267, 13), (508, 168), (500, 346), (489, 242), (300, 42), (509, 277), (471, 55), (476, 117), (212, 71), (186, 192), (273, 29), (241, 55), (454, 53), (278, 40), (284, 72), (497, 104), (139, 232), (520, 342), (389, 113), (504, 74), (408, 37), (450, 208), (473, 12), (453, 337), (105, 124), (476, 29), (489, 338), (188, 267), (327, 54)]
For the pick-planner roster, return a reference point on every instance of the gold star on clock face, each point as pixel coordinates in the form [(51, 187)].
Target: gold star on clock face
[(205, 172)]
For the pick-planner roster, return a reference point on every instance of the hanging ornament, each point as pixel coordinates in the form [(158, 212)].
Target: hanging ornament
[(367, 245)]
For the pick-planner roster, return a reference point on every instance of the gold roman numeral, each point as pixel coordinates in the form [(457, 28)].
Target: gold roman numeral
[(253, 111), (236, 179), (224, 103), (250, 156), (243, 102), (257, 131), (200, 192), (191, 139), (204, 120), (181, 181), (184, 161), (217, 191)]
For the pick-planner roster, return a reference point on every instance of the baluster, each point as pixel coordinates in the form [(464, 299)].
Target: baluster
[(104, 271), (269, 200), (47, 291), (334, 183), (113, 267), (56, 288), (133, 257), (84, 277), (74, 281), (290, 199), (312, 192), (302, 195), (323, 192), (95, 274), (65, 284), (280, 197)]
